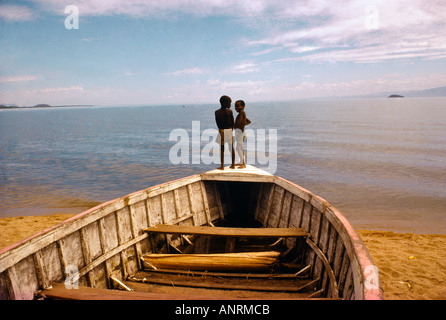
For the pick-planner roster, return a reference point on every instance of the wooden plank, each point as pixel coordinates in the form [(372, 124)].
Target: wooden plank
[(164, 218), (259, 202), (242, 261), (135, 233), (169, 206), (50, 262), (323, 245), (284, 217), (120, 241), (110, 254), (276, 208), (315, 228), (6, 290), (268, 207), (59, 292), (218, 200), (344, 271), (192, 208), (315, 225), (228, 232), (40, 273), (205, 203), (102, 239), (348, 287), (297, 210), (248, 174), (177, 205), (190, 198), (23, 278), (86, 253), (339, 250), (224, 286), (229, 274), (306, 216)]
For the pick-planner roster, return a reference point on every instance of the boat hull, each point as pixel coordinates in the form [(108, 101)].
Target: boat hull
[(108, 241)]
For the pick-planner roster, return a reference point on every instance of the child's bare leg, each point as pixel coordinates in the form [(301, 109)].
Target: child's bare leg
[(222, 157), (233, 156), (240, 154), (242, 165)]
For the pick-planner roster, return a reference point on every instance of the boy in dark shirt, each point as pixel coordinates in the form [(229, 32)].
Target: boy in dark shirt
[(225, 123), (240, 122)]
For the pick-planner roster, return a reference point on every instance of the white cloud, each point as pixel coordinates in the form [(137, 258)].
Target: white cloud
[(246, 67), (263, 52), (156, 8), (362, 31), (7, 79), (62, 89), (251, 88), (304, 27), (15, 13), (184, 72)]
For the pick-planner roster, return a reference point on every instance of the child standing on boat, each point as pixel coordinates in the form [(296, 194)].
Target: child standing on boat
[(240, 122), (225, 123)]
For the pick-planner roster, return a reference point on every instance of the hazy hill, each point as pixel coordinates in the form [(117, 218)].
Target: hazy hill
[(434, 92)]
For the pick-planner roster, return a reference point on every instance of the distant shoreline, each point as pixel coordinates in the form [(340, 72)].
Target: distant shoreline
[(38, 106)]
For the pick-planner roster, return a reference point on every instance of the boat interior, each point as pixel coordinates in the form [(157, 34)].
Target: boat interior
[(233, 257), (232, 234)]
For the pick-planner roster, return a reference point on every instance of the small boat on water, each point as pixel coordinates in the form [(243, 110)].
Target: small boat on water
[(222, 234)]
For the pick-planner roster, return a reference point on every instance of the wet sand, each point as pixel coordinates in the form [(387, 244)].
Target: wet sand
[(411, 266)]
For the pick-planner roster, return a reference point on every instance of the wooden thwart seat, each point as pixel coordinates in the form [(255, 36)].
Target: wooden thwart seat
[(228, 232)]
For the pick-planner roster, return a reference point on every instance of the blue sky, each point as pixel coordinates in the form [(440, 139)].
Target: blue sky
[(193, 51)]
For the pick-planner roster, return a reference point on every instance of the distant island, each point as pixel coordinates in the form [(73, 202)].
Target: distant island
[(395, 96), (43, 105)]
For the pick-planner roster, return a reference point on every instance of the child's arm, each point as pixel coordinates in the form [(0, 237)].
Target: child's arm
[(231, 119), (247, 121)]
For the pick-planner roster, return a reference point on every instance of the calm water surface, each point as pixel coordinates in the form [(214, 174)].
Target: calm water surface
[(381, 162)]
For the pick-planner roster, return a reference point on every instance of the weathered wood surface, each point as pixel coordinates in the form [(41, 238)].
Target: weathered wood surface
[(245, 261), (290, 287), (59, 292), (249, 174), (228, 232), (245, 275)]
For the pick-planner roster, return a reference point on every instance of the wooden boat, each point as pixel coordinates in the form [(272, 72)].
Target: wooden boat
[(108, 252)]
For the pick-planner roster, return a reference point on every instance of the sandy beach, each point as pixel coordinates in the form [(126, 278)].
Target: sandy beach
[(411, 266)]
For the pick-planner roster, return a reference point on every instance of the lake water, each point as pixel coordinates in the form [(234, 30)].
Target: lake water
[(381, 162)]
